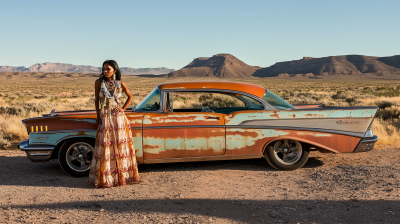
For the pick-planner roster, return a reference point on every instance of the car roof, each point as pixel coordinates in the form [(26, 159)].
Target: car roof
[(236, 86)]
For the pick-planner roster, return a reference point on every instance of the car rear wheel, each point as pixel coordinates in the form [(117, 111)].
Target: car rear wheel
[(75, 156), (286, 154)]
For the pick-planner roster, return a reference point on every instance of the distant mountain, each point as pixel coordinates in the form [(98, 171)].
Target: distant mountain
[(220, 65), (227, 66), (333, 65), (61, 67)]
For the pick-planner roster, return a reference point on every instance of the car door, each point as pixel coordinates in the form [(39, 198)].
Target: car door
[(178, 135)]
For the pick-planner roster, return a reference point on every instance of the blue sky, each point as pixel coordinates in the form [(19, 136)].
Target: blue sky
[(171, 33)]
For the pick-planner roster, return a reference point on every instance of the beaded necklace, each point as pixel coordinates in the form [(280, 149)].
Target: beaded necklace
[(106, 87)]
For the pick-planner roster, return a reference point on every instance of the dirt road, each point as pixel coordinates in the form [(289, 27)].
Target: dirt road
[(331, 188)]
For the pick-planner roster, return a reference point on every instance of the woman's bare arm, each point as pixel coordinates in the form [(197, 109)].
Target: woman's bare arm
[(96, 98), (130, 97)]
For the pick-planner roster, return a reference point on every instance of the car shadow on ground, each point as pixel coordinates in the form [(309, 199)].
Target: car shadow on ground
[(18, 170), (254, 211)]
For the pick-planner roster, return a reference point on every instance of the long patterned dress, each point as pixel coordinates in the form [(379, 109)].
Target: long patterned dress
[(114, 160)]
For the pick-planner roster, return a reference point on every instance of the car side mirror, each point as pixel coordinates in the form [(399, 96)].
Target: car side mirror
[(133, 108)]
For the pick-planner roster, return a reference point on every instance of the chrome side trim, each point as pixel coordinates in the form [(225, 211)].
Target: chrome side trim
[(40, 154), (189, 126), (356, 134), (349, 133), (356, 125), (136, 128), (61, 131), (37, 148), (198, 159)]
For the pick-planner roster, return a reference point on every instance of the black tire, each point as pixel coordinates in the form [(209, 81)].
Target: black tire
[(275, 159), (79, 149)]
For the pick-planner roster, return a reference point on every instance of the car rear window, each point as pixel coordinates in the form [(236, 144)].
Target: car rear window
[(276, 101)]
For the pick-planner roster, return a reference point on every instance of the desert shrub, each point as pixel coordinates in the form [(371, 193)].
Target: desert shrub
[(357, 104), (385, 104), (334, 104), (339, 95), (37, 107), (39, 96), (318, 97), (4, 143), (392, 112), (388, 132), (208, 100), (350, 100), (294, 93), (16, 111), (302, 100)]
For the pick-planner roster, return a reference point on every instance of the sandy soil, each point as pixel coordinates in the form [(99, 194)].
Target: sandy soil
[(331, 188)]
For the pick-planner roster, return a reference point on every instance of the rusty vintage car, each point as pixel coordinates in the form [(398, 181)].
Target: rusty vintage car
[(202, 121)]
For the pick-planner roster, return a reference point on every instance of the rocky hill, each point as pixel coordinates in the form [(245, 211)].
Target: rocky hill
[(333, 65), (220, 65), (62, 68)]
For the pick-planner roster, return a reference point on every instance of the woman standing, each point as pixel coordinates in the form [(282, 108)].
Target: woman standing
[(114, 160)]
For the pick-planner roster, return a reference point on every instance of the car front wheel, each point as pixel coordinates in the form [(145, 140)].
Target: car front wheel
[(286, 154), (75, 156)]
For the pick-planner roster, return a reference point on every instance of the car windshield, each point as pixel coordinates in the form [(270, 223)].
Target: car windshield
[(276, 101), (151, 102)]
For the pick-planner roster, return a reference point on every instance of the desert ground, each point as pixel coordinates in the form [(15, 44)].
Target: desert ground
[(330, 188)]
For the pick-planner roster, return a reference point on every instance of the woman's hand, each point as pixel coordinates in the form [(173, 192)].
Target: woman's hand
[(116, 110)]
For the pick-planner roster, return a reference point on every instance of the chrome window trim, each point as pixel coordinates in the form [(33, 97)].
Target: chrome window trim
[(267, 106)]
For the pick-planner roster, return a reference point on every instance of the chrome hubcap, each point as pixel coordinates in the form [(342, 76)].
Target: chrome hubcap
[(288, 151), (79, 156)]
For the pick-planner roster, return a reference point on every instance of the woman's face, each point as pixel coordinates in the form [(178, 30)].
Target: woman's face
[(108, 71)]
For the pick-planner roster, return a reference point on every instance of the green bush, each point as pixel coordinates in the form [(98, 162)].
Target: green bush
[(392, 112), (385, 104)]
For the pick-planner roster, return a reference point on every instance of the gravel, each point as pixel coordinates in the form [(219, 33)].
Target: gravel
[(330, 188)]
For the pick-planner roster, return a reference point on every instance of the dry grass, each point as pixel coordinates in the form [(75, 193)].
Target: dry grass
[(26, 97)]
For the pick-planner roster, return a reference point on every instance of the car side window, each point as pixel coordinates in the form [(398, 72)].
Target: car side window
[(252, 104), (206, 102)]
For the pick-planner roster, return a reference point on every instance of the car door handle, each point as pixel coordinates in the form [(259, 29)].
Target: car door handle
[(216, 118)]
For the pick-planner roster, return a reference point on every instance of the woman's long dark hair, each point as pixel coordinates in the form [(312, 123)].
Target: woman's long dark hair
[(113, 64)]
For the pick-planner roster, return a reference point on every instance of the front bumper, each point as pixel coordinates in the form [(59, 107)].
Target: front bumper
[(36, 153), (366, 144)]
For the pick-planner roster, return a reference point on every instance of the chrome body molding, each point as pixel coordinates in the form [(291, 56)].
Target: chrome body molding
[(262, 127), (366, 144), (199, 159), (189, 126), (62, 131), (350, 125), (39, 153), (355, 134)]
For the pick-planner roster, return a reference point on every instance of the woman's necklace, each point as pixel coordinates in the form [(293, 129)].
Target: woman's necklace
[(111, 85), (108, 86)]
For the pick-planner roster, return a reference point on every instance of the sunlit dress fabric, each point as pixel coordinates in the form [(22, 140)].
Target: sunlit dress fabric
[(114, 160)]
